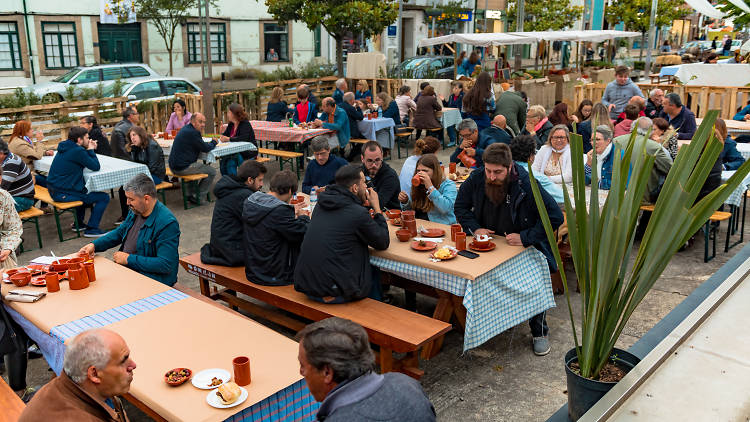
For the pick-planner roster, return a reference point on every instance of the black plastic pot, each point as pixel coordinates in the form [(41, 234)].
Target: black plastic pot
[(583, 393)]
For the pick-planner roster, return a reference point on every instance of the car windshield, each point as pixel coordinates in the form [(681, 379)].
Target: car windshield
[(68, 75), (108, 90), (415, 63)]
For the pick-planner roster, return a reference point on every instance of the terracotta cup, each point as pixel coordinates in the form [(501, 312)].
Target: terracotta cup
[(84, 255), (412, 226), (241, 370), (408, 215), (90, 272), (403, 235), (74, 263), (53, 282), (455, 228), (77, 279), (174, 133), (416, 180), (11, 272), (461, 241), (452, 168)]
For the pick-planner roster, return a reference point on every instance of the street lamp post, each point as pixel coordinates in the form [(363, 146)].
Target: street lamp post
[(651, 36), (206, 83)]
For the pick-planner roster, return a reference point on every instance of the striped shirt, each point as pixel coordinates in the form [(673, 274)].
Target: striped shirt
[(17, 179)]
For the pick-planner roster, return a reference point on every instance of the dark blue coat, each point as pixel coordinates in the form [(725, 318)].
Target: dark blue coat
[(584, 129), (487, 137), (683, 123), (732, 158), (277, 112), (187, 146), (355, 115), (66, 172), (392, 112), (317, 175)]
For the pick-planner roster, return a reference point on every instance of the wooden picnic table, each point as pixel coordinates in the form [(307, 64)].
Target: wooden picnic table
[(733, 126), (281, 132), (222, 149)]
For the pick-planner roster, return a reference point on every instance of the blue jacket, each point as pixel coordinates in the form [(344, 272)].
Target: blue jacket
[(187, 146), (317, 175), (458, 102), (359, 95), (392, 112), (742, 113), (340, 125), (338, 96), (156, 248), (683, 123), (66, 172), (732, 158), (277, 112), (605, 181), (312, 113), (443, 200)]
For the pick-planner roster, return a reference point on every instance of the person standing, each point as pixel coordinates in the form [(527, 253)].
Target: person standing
[(618, 93), (479, 102), (513, 107), (119, 138), (187, 146)]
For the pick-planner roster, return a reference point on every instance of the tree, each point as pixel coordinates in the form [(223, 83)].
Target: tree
[(636, 15), (167, 16), (338, 17), (740, 18)]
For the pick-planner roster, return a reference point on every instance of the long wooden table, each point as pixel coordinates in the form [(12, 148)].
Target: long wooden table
[(11, 406)]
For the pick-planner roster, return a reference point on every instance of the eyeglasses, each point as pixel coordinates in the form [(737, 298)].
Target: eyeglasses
[(559, 138)]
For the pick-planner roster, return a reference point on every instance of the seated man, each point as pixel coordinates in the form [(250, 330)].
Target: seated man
[(354, 113), (468, 135), (662, 162), (149, 236), (334, 118), (17, 178), (187, 146), (336, 360), (273, 232), (341, 87), (497, 132), (65, 179), (334, 263), (640, 105), (321, 171), (96, 367), (500, 200), (523, 150), (679, 116), (383, 178), (226, 246)]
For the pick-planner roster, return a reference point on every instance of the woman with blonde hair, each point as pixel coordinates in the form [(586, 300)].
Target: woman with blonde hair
[(537, 124), (434, 197), (599, 116), (363, 92), (278, 109), (426, 145)]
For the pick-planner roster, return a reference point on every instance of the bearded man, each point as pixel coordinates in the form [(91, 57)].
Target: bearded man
[(498, 199)]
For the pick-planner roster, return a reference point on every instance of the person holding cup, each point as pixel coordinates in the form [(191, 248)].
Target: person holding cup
[(432, 196)]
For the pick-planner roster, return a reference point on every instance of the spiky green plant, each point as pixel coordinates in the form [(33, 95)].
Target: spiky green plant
[(601, 240)]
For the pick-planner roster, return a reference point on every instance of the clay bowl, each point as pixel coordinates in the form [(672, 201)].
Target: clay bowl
[(393, 213), (21, 279), (403, 235), (13, 271), (58, 268)]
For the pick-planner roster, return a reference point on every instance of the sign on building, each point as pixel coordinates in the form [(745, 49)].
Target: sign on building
[(116, 11)]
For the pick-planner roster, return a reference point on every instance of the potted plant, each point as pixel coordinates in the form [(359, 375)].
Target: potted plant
[(601, 241)]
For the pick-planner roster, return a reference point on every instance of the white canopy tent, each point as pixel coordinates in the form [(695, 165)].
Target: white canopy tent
[(513, 38), (585, 35)]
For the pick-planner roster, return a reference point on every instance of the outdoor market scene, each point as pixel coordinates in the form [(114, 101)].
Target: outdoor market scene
[(374, 210)]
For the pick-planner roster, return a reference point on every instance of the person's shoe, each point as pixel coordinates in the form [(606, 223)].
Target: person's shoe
[(119, 221), (450, 144), (46, 209), (28, 393), (541, 346), (81, 227), (93, 233), (193, 200), (34, 352)]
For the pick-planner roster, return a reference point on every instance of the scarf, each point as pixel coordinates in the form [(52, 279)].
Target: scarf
[(540, 124), (27, 139), (600, 160), (330, 115)]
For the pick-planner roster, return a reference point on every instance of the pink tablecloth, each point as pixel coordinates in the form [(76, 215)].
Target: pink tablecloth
[(281, 132)]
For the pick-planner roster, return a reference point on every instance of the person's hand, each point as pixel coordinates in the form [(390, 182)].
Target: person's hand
[(747, 116), (92, 144), (481, 232), (320, 189), (39, 135), (223, 138), (574, 118), (121, 257), (403, 197), (299, 209), (470, 152), (317, 123), (530, 128), (466, 143), (87, 249), (442, 98), (610, 107), (49, 152), (224, 127), (426, 181), (514, 239), (372, 198), (4, 254), (589, 157)]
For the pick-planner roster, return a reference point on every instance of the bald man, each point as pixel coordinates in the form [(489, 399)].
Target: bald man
[(96, 367), (639, 102)]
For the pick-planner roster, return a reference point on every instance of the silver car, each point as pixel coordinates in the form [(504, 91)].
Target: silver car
[(153, 88), (91, 77)]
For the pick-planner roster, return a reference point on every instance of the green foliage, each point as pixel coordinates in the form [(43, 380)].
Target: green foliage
[(636, 14), (545, 15), (601, 240), (639, 65), (309, 70), (599, 63), (740, 18), (19, 98), (70, 93), (117, 87), (451, 16)]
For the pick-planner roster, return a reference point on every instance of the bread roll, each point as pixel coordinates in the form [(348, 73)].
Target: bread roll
[(228, 393)]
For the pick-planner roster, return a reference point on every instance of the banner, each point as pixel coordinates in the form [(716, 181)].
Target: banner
[(116, 11)]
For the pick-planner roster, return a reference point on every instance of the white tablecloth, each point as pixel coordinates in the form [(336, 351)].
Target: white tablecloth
[(113, 173), (221, 150), (736, 197), (719, 74), (744, 150), (375, 130)]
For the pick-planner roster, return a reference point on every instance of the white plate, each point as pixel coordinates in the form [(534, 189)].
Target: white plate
[(213, 400), (203, 378)]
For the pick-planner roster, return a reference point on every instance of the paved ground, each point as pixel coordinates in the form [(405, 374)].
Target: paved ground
[(500, 381)]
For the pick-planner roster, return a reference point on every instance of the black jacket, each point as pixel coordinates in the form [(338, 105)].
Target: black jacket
[(102, 146), (335, 259), (355, 115), (227, 246), (540, 135), (187, 146), (277, 112), (584, 129), (272, 239), (470, 205), (652, 110), (387, 185), (118, 139), (244, 133), (153, 157)]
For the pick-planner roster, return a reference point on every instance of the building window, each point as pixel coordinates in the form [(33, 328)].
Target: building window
[(60, 45), (275, 42), (10, 48), (218, 42)]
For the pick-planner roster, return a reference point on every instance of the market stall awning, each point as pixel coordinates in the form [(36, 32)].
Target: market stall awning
[(510, 38), (479, 40), (586, 35)]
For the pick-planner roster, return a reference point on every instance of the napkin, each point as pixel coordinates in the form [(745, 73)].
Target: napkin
[(24, 296), (429, 239)]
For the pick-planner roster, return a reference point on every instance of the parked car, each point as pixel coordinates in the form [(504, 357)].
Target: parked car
[(90, 77), (419, 67), (736, 44), (700, 45), (153, 88)]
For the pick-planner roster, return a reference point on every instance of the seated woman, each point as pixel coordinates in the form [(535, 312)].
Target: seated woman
[(427, 105), (278, 110), (583, 112), (96, 134), (538, 125), (605, 158), (238, 130), (553, 158), (179, 117), (405, 104), (389, 106), (559, 116), (144, 150), (22, 145), (599, 116), (665, 134), (455, 100), (427, 145), (304, 110), (363, 92), (731, 158), (428, 201)]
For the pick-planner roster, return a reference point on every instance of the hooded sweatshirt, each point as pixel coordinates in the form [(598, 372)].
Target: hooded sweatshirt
[(619, 95), (272, 239), (66, 171), (226, 246), (335, 259)]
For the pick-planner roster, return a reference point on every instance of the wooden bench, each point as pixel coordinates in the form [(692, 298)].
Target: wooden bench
[(31, 215), (709, 229), (58, 209), (189, 181), (359, 141), (393, 329), (402, 137), (290, 157), (11, 406)]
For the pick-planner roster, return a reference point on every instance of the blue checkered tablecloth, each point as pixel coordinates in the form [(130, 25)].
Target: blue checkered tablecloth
[(113, 173), (502, 298), (370, 129), (735, 198), (450, 117), (222, 150), (292, 404)]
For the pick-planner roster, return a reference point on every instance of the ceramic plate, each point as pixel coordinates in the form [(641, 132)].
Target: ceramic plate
[(431, 233), (454, 253), (203, 378), (38, 281), (428, 246), (213, 400), (488, 248)]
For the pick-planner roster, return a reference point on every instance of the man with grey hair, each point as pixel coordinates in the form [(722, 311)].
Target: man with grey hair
[(341, 87), (353, 109), (149, 236), (96, 367), (186, 148), (468, 133), (654, 104), (336, 360), (335, 119), (321, 171), (679, 116)]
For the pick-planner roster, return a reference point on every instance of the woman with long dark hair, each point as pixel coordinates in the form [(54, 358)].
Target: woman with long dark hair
[(95, 133), (143, 149), (479, 103), (434, 197), (583, 112), (179, 117), (238, 130), (599, 116), (559, 116)]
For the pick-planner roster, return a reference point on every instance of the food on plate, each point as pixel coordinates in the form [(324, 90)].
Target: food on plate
[(443, 253), (421, 243), (177, 376), (215, 381), (228, 393)]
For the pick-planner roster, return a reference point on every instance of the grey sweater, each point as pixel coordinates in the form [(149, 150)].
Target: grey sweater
[(619, 95)]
